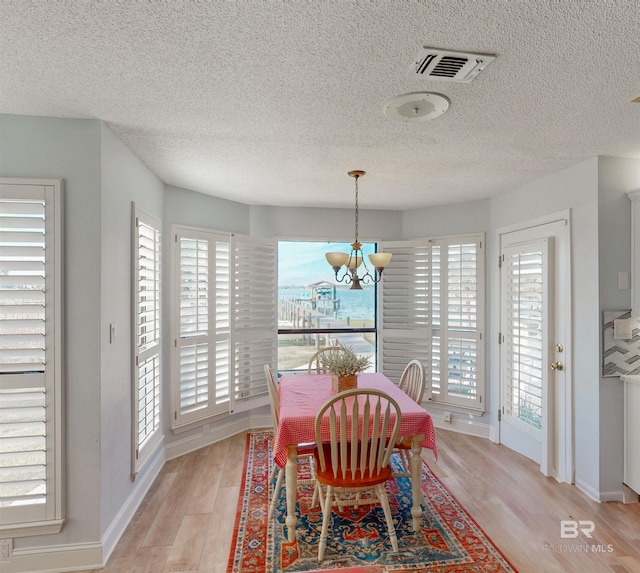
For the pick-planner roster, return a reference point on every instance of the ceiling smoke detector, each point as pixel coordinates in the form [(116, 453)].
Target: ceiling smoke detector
[(445, 65), (416, 106)]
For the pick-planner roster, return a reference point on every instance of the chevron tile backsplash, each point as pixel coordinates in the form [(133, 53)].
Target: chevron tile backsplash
[(619, 356)]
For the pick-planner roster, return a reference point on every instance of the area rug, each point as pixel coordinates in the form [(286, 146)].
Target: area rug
[(449, 540)]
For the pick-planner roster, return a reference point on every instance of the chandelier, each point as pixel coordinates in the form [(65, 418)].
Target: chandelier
[(352, 261)]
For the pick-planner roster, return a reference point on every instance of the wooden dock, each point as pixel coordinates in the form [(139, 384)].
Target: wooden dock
[(298, 315)]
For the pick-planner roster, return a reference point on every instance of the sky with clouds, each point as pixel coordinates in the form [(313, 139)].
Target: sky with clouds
[(301, 263)]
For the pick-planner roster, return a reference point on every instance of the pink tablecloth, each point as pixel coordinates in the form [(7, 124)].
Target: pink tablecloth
[(302, 395)]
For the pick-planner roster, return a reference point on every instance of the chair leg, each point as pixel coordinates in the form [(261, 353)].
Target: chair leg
[(384, 502), (276, 492), (406, 465), (317, 496), (326, 512)]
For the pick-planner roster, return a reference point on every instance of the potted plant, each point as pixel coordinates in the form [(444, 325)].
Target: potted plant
[(344, 367)]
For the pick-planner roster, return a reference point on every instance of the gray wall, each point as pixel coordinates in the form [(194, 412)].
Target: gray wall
[(328, 224), (124, 179), (454, 219), (193, 209), (616, 176), (70, 150), (575, 188)]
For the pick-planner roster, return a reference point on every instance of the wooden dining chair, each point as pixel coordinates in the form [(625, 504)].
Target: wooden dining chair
[(412, 384), (305, 451), (356, 456), (318, 364)]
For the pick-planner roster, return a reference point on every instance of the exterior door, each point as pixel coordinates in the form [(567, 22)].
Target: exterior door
[(535, 412)]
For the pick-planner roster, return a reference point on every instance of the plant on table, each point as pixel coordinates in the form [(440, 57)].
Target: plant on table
[(344, 366)]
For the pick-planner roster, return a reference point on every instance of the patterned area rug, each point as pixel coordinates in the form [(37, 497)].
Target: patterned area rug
[(449, 541)]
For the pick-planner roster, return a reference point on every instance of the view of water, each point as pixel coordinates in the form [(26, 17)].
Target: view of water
[(354, 304)]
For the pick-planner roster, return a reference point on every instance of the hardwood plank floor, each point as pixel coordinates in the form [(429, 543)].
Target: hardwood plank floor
[(185, 523)]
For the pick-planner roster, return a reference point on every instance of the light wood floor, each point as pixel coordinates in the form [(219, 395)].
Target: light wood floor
[(185, 523)]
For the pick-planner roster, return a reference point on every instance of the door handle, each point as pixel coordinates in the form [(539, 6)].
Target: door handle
[(557, 365)]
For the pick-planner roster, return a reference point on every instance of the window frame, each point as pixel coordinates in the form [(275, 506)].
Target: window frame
[(351, 330), (248, 342), (142, 451), (50, 518), (407, 327)]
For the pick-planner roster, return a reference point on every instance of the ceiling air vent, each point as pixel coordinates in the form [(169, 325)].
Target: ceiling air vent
[(449, 66)]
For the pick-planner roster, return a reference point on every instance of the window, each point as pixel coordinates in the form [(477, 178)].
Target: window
[(31, 413), (433, 310), (146, 339), (314, 310), (223, 325)]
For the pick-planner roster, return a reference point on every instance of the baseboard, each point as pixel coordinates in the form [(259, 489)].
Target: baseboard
[(625, 495), (628, 495), (55, 559), (593, 493), (143, 483), (610, 496), (461, 425), (210, 434)]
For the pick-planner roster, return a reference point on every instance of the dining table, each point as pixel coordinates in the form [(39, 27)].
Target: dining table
[(301, 397)]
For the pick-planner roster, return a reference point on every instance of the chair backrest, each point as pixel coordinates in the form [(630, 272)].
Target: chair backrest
[(412, 381), (273, 396), (318, 362), (365, 417)]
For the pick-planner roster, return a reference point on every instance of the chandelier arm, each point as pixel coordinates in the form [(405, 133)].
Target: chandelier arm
[(345, 278)]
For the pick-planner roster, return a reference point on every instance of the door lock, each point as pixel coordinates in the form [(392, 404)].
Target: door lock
[(557, 365)]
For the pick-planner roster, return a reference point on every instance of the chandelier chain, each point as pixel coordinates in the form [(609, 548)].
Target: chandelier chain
[(350, 262), (357, 209)]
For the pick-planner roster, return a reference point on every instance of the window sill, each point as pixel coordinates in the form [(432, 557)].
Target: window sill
[(49, 527), (455, 408)]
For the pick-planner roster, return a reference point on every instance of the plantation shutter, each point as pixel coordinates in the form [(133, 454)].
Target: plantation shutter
[(432, 309), (255, 319), (405, 308), (203, 335), (30, 358), (146, 323), (523, 328), (457, 319)]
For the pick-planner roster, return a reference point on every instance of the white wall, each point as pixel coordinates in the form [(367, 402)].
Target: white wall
[(575, 188), (616, 176), (454, 219), (70, 150), (328, 224), (124, 179)]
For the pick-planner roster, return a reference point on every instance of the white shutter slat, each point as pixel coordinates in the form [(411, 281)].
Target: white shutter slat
[(255, 322), (30, 355), (456, 343), (405, 332), (22, 447), (201, 267), (523, 333), (22, 280), (194, 377), (146, 339)]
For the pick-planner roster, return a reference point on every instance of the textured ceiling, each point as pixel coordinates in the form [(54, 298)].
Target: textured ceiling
[(272, 102)]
